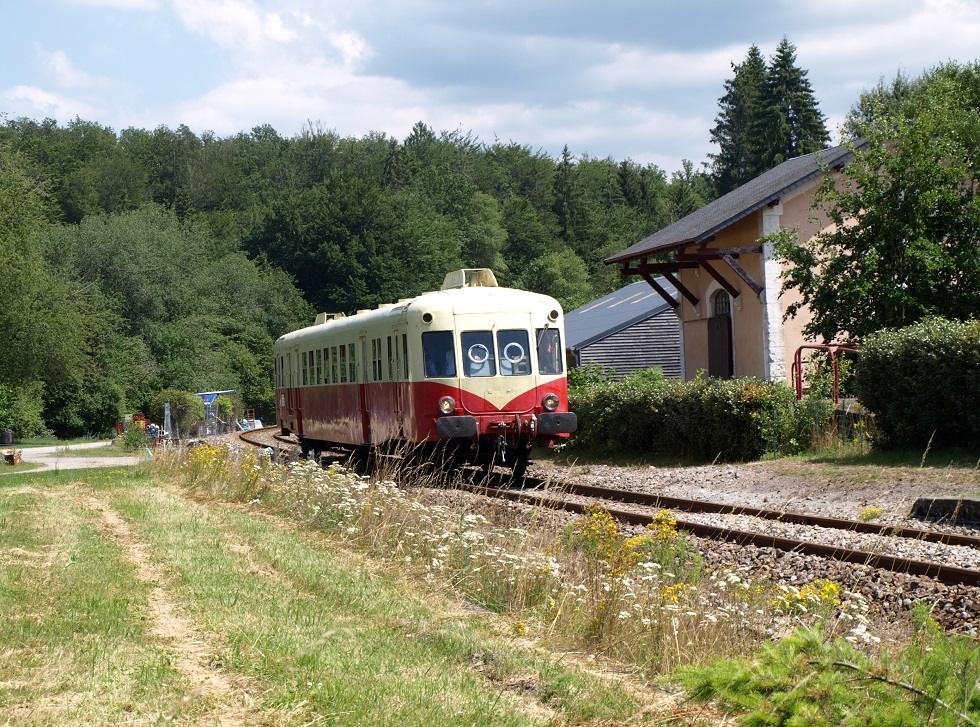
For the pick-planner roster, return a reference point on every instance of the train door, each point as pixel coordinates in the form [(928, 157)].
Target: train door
[(292, 413), (362, 392), (395, 376)]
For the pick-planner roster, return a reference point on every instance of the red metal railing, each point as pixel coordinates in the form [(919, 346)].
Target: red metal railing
[(834, 350)]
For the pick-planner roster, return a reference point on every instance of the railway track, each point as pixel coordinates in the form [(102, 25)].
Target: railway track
[(557, 496), (561, 496)]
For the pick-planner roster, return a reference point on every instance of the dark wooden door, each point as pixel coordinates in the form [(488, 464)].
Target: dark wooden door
[(720, 361)]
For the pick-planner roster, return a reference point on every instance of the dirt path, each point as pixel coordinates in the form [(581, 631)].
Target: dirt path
[(192, 655), (54, 457)]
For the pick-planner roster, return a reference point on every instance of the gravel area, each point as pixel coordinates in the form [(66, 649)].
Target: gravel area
[(830, 490)]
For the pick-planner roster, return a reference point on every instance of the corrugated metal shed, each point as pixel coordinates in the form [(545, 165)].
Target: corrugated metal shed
[(632, 328)]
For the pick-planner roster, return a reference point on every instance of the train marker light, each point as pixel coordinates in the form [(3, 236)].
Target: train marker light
[(550, 402), (447, 405)]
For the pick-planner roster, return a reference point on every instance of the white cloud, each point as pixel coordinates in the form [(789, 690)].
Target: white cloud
[(641, 68), (354, 105), (37, 103), (352, 47), (60, 67), (234, 24)]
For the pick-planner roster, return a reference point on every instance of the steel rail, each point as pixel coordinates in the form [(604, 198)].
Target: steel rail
[(950, 575), (858, 526)]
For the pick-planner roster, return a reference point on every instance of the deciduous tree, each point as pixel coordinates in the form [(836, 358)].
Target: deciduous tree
[(905, 238)]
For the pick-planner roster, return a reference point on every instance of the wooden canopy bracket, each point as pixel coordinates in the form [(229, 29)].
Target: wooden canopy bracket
[(743, 274), (660, 289), (731, 289), (691, 297)]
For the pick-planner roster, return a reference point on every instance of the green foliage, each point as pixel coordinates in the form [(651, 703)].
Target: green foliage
[(704, 419), (902, 243), (20, 409), (583, 378), (186, 409), (737, 130), (135, 439), (897, 375), (768, 115), (807, 679), (225, 406)]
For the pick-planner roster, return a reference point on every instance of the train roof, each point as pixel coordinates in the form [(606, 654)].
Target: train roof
[(466, 291)]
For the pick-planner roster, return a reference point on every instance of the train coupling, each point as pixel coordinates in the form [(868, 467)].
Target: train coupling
[(502, 448)]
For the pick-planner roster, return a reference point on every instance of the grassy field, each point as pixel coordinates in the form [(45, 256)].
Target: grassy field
[(126, 601)]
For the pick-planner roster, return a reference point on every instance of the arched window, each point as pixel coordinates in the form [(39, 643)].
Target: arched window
[(722, 304)]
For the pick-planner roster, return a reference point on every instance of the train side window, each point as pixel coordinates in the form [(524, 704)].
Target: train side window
[(289, 368), (343, 364), (352, 363), (303, 355), (513, 348), (478, 358), (333, 364), (405, 356), (439, 354), (326, 365), (319, 366), (549, 351), (391, 376)]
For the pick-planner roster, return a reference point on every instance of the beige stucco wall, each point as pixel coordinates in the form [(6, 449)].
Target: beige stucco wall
[(764, 344), (747, 328)]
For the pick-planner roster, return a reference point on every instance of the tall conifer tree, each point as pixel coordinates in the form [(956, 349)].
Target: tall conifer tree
[(737, 130), (792, 121), (768, 115)]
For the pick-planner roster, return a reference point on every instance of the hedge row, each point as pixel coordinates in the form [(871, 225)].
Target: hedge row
[(704, 419), (923, 384)]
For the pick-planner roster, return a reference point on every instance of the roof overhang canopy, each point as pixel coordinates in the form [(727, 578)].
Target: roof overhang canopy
[(702, 226)]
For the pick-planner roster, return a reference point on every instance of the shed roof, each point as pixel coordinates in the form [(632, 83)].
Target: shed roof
[(614, 312), (715, 216)]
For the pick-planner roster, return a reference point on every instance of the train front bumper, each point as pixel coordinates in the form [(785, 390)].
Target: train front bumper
[(546, 425), (563, 422), (458, 427)]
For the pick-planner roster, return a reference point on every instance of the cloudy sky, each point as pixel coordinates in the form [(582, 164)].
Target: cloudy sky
[(635, 79)]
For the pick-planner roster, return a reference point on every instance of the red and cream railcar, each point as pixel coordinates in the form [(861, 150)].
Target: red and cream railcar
[(474, 367)]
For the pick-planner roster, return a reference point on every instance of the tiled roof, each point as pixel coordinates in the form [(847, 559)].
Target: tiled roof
[(614, 312), (737, 204)]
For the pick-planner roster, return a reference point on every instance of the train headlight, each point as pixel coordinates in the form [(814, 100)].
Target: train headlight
[(550, 402), (447, 405)]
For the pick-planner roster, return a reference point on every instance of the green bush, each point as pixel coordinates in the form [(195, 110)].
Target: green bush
[(706, 419), (186, 409), (922, 383), (135, 439)]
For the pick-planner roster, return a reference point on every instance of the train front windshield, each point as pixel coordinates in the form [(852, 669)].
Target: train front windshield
[(510, 353)]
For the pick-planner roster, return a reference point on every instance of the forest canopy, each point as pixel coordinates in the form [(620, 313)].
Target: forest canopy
[(143, 260)]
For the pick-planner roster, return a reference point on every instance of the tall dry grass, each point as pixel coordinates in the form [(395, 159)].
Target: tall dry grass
[(644, 597)]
